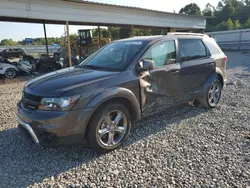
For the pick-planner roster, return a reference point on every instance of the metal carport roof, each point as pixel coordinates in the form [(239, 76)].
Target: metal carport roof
[(78, 12)]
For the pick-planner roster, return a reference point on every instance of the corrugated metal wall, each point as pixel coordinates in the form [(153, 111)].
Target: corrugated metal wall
[(232, 40)]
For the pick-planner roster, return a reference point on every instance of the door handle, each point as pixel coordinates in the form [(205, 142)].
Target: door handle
[(174, 71), (209, 64)]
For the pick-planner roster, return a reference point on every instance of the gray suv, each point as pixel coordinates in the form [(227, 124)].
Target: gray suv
[(120, 83)]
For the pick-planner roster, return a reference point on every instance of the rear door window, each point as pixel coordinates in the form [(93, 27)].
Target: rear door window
[(191, 49)]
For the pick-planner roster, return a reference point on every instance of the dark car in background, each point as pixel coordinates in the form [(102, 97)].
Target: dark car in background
[(12, 53), (120, 83)]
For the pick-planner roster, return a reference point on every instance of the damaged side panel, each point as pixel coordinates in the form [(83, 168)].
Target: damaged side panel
[(158, 89)]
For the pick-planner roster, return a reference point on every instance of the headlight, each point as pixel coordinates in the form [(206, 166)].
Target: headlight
[(59, 104)]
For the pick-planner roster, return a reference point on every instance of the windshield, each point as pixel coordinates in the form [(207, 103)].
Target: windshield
[(114, 56)]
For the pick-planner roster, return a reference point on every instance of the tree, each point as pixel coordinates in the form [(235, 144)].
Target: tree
[(229, 10), (156, 31), (125, 32), (104, 32), (230, 24), (225, 12), (114, 32), (209, 10), (247, 24), (246, 2), (8, 42), (222, 27), (191, 9), (237, 24)]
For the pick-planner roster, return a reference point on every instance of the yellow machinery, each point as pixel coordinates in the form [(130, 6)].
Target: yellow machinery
[(85, 44), (88, 44)]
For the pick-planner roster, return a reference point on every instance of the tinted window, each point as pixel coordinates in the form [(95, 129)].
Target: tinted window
[(162, 53), (192, 49), (114, 56)]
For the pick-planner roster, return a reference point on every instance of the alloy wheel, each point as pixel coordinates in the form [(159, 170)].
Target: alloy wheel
[(112, 128), (10, 73), (214, 93)]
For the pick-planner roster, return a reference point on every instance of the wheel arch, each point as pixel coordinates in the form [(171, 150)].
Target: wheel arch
[(120, 95), (210, 79), (10, 67), (219, 76)]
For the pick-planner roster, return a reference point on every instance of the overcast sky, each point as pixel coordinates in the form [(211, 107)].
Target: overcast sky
[(19, 31)]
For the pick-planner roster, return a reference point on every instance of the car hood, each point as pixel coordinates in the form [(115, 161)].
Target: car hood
[(56, 83)]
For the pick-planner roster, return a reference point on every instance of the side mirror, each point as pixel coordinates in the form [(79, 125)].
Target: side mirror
[(146, 64)]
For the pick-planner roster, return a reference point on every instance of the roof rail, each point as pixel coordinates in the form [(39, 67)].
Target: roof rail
[(184, 33)]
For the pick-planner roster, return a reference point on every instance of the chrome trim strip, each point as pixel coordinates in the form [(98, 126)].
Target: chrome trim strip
[(29, 129)]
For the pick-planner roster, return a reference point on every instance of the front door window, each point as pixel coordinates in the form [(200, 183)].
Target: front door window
[(163, 53)]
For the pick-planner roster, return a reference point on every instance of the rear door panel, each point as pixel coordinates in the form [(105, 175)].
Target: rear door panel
[(194, 73), (196, 66)]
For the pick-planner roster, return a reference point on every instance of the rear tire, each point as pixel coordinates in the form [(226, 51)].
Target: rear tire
[(109, 127), (213, 94)]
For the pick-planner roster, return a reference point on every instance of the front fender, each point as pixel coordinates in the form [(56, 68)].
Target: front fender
[(113, 93), (5, 67)]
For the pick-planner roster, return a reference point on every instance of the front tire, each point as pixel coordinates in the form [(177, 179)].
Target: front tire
[(109, 127), (213, 95), (10, 73)]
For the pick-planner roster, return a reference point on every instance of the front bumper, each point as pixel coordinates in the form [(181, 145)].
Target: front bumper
[(28, 129), (50, 128)]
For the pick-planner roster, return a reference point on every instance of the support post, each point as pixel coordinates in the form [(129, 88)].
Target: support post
[(99, 36), (132, 31), (46, 39), (240, 40), (69, 47)]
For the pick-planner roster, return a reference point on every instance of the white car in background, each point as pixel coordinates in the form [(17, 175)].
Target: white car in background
[(8, 69)]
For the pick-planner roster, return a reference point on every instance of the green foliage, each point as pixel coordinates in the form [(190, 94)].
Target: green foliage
[(209, 10), (191, 9), (247, 24), (237, 24), (104, 32), (230, 24), (8, 42), (229, 15), (114, 32), (125, 32)]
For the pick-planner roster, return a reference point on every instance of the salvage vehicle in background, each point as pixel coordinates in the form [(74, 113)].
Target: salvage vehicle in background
[(118, 84), (47, 63), (13, 69), (7, 68), (27, 64), (43, 64), (12, 53)]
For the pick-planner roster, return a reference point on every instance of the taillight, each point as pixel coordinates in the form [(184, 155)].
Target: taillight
[(225, 59)]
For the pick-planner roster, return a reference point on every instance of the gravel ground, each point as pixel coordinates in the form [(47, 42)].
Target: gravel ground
[(183, 147)]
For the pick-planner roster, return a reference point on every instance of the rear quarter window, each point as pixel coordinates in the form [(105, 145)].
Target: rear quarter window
[(213, 47)]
